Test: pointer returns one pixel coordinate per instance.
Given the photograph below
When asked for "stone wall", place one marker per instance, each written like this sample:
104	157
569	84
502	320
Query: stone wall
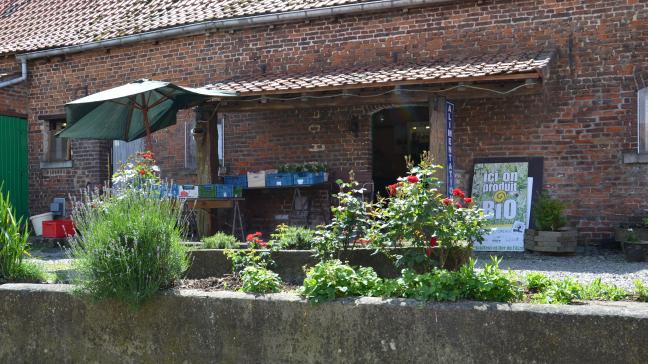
45	324
581	125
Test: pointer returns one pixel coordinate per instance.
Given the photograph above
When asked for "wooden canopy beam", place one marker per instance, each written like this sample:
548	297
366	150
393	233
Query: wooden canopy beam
377	96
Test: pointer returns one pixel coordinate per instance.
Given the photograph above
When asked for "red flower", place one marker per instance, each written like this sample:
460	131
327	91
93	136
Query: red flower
467	200
458	192
433	242
447	201
142	172
361	241
261	243
458	205
412	179
250	237
393	189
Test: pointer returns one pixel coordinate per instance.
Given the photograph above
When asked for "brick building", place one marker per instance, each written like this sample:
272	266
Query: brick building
565	79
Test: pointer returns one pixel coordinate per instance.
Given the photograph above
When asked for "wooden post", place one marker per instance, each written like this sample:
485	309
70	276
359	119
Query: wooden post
206	161
438	138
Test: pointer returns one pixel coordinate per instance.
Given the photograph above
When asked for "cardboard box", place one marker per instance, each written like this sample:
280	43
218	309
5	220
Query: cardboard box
256	179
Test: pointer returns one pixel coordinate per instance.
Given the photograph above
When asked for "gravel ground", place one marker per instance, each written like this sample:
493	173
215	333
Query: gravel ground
588	264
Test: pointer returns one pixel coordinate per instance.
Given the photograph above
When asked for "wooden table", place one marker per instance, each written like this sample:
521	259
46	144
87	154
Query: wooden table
221	203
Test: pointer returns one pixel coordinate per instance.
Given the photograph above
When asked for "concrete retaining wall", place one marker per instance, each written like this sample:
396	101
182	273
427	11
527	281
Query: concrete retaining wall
289	263
45	324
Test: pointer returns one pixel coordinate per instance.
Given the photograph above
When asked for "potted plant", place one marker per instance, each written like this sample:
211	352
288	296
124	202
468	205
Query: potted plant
551	233
634	249
638	232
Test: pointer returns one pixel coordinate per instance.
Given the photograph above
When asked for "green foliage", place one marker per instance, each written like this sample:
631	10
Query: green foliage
13	245
418	214
641	291
292	237
330	279
303	167
242	259
220	240
260	280
565	291
350	222
548	213
645	222
489	284
537	282
128	246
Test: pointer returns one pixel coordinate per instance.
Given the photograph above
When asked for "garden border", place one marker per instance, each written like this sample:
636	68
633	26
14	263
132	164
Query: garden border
45	323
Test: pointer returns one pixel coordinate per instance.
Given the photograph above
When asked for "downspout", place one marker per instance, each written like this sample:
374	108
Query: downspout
21	78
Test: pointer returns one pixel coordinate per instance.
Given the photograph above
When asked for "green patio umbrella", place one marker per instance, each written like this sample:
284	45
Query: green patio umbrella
131	111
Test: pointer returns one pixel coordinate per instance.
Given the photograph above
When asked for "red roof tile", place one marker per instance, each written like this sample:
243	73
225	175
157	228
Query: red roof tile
441	69
29	25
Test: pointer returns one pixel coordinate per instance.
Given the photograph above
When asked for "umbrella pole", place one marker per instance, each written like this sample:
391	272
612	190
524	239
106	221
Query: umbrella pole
145	110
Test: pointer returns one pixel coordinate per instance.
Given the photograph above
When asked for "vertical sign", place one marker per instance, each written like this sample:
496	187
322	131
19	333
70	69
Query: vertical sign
450	157
502	191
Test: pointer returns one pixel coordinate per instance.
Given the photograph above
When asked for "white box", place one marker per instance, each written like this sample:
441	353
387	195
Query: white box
188	191
256	179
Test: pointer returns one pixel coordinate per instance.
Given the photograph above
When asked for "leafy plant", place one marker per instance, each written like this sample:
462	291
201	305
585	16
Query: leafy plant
139	170
260	280
255	242
418	214
645	222
220	240
537	282
565	291
350	222
641	291
128	246
303	167
242	259
490	284
14	236
330	279
548	213
292	237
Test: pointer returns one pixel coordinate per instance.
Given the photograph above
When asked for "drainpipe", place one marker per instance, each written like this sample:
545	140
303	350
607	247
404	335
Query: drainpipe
21	78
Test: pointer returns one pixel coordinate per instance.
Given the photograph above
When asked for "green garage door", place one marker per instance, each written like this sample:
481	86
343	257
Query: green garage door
13	161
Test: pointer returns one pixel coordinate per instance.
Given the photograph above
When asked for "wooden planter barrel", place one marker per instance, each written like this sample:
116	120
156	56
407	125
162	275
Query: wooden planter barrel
562	241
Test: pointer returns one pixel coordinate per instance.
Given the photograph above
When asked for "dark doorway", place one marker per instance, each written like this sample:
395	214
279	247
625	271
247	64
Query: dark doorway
397	132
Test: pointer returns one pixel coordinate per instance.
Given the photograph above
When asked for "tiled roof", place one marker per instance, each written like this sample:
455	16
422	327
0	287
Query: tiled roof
439	70
29	25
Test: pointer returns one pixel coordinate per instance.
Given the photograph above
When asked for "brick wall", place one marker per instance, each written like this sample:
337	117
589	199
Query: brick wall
581	124
13	99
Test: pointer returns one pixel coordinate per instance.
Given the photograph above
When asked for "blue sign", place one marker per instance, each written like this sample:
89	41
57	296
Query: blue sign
450	182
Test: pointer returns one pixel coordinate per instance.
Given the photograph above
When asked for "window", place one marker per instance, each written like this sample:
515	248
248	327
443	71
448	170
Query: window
642	113
55	149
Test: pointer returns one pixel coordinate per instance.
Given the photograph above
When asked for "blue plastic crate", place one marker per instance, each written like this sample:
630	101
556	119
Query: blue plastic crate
279	179
305	178
207	191
237	181
224	191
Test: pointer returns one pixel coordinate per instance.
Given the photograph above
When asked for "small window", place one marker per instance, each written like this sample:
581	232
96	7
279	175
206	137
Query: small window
642	112
56	149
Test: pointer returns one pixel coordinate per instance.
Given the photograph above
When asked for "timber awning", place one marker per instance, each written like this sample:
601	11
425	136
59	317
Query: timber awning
483	75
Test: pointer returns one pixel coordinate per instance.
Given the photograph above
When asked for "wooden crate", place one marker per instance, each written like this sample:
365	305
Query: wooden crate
564	241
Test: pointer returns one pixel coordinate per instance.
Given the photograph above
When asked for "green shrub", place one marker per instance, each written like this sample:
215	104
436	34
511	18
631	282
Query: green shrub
292	237
537	282
330	279
220	240
548	213
490	284
567	290
128	246
14	236
260	280
641	291
242	259
597	290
